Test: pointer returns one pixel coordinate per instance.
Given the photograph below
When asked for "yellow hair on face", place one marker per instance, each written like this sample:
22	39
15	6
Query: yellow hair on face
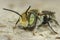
23	20
24	17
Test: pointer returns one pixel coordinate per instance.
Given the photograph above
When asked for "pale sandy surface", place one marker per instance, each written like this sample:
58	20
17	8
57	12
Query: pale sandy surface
8	19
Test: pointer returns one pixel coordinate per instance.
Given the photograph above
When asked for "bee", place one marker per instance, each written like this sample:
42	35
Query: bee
26	16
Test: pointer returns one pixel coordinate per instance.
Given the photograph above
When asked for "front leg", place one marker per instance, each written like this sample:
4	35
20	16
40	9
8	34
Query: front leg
16	23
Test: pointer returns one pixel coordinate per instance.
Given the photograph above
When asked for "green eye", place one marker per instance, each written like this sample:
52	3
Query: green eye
31	19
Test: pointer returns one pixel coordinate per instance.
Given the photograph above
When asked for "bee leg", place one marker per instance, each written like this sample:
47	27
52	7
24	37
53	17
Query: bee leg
33	32
16	23
56	22
51	28
39	26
